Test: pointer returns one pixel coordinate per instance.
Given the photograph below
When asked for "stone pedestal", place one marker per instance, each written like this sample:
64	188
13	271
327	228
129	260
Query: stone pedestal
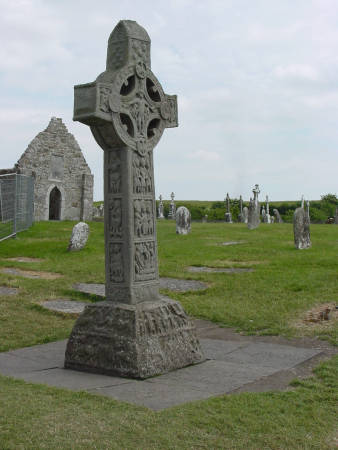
136	341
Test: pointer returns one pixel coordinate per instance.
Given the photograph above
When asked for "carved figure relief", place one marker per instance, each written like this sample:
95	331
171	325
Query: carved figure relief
104	99
116	263
114	175
143	218
145	261
115	218
142	174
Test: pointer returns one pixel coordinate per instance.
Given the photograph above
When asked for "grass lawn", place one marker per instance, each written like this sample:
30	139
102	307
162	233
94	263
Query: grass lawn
272	299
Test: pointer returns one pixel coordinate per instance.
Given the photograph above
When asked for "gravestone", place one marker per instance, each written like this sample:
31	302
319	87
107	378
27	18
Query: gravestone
205	219
79	237
240	215
228	216
336	217
254	210
301	227
172	207
263	214
278	218
267	215
183	220
245	215
160	209
135	332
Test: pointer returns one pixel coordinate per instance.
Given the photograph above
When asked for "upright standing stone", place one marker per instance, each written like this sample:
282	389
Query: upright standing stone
134	333
79	237
160	209
183	220
301	227
172	207
278	218
267	216
240	215
336	217
228	216
245	214
254	210
263	214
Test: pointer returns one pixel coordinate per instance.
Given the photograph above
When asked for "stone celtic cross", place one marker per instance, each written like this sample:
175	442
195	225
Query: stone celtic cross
135	332
127	112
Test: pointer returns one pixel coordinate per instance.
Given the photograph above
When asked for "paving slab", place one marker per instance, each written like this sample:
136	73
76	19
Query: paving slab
231	366
8	291
198	269
65	306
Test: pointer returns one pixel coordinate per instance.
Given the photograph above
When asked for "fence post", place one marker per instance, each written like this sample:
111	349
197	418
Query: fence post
15	204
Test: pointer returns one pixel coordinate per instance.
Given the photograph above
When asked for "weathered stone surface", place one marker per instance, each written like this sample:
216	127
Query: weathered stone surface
63	183
245	215
127	112
79	237
228	216
172	207
301	229
183	220
205	219
136	341
278	218
336	217
8	291
65	306
267	215
161	209
254	210
219	269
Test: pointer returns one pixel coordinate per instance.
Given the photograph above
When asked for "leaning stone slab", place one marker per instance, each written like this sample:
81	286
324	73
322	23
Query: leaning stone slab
301	229
79	236
136	341
183	220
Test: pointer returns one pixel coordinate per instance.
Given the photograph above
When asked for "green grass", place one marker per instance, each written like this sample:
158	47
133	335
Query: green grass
285	283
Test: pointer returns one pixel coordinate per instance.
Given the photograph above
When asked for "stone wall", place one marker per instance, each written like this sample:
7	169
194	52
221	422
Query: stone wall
55	160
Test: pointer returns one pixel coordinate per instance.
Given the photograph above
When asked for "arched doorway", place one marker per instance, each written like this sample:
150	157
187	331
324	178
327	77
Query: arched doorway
55	204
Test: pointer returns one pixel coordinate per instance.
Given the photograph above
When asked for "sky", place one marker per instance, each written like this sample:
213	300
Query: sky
256	80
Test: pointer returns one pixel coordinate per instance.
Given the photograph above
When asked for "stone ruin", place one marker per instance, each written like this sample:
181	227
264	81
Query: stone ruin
63	183
254	210
301	227
135	332
183	220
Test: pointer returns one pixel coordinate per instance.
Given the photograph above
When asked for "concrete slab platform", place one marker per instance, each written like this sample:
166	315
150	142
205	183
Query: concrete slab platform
231	366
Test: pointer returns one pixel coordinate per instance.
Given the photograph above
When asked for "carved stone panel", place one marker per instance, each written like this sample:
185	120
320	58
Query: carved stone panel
115	218
116	263
142	174
114	172
145	261
143	218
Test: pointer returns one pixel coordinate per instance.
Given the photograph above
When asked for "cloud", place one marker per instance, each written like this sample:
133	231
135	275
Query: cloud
301	72
204	156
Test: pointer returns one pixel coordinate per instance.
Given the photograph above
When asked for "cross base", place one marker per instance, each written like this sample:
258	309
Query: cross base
135	341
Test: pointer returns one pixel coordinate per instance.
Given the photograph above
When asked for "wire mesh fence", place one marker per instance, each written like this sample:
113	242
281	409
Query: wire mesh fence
16	204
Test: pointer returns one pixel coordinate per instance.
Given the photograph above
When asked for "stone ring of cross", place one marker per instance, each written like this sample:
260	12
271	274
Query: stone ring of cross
139	107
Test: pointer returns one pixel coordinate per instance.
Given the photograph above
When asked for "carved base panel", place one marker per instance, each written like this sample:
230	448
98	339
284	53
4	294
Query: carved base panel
136	293
136	341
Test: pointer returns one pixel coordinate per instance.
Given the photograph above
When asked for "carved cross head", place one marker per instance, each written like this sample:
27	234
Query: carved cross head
127	99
